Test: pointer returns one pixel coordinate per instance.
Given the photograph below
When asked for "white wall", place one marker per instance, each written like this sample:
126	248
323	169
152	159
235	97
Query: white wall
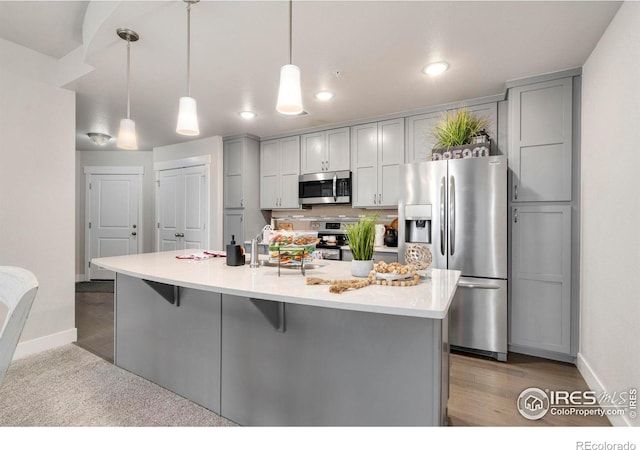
119	159
208	146
37	168
610	300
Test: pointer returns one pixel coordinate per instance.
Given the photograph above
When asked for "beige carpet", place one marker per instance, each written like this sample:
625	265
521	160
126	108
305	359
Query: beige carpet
69	386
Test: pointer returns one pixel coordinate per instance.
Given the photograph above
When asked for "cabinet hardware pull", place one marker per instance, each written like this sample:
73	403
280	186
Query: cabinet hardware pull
374	199
515	215
379	199
516	192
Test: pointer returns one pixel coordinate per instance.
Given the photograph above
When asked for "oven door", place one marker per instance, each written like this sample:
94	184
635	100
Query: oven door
325	187
333	254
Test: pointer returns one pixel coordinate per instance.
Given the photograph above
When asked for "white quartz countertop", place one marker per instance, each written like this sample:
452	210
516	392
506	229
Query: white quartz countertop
431	298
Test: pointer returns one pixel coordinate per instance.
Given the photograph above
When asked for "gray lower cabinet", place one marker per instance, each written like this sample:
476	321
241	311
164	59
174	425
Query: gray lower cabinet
377	256
540	309
330	367
176	347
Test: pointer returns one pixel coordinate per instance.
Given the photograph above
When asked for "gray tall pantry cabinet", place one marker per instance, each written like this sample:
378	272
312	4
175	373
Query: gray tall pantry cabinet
241	191
543	123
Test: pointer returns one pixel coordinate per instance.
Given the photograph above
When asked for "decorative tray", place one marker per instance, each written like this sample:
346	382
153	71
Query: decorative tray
394	276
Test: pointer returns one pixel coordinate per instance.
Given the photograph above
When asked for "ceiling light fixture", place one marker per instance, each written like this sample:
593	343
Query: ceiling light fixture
435	68
99	138
127	138
247	115
290	93
324	95
188	111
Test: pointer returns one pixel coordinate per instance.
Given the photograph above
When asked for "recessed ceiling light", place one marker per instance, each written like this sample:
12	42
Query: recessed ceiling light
247	115
435	68
99	138
324	95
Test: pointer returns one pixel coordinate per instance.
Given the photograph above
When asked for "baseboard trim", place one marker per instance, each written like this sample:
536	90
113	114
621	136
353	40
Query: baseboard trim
80	277
596	385
43	343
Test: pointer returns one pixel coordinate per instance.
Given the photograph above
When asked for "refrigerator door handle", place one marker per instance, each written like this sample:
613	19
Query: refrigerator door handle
467	284
452	215
442	233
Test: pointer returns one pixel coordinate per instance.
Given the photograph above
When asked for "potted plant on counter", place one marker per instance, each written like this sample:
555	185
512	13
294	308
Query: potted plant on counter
361	237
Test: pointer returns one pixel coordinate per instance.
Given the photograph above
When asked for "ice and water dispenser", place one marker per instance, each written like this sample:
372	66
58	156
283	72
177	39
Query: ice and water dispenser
417	223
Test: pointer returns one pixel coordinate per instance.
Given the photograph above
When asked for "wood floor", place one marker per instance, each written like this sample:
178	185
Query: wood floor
483	391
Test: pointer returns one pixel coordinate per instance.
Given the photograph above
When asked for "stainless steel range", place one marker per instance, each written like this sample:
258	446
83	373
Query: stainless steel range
332	237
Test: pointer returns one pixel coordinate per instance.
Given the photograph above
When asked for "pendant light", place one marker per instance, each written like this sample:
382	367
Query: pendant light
188	110
290	94
127	138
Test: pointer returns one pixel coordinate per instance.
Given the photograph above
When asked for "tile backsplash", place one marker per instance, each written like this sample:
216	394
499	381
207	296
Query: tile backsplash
300	218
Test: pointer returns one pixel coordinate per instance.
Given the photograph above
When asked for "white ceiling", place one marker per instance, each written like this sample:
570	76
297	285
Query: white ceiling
238	47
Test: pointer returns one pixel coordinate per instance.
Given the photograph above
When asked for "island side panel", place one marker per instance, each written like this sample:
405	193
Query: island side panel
177	347
330	367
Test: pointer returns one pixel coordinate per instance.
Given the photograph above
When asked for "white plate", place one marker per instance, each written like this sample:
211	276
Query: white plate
393	276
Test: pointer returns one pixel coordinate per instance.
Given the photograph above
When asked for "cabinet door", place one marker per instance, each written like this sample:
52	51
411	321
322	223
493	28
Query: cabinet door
540	141
269	174
233	168
364	165
420	139
194	208
541	278
338	153
234	226
289	172
175	347
390	158
312	152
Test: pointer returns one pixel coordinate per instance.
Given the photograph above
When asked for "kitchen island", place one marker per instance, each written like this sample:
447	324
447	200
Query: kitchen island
263	349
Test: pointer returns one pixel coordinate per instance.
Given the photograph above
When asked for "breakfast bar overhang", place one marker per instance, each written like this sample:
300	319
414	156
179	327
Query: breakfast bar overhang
263	349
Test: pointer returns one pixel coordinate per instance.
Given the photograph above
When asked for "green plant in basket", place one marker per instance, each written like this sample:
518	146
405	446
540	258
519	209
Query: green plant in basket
361	236
457	128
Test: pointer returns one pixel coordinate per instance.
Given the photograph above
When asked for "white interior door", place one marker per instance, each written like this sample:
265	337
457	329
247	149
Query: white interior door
182	208
195	208
113	210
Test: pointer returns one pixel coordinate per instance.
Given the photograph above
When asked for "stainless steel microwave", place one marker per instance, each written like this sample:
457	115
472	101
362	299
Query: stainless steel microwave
325	188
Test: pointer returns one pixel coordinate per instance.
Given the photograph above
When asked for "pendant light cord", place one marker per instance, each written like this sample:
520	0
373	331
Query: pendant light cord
290	32
188	49
128	77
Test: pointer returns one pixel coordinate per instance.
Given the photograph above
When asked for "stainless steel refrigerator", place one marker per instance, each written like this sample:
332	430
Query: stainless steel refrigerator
458	209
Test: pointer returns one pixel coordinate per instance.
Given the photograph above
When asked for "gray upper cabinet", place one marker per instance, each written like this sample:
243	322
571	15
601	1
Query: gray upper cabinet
233	163
541	278
279	172
325	151
377	152
420	138
540	141
242	214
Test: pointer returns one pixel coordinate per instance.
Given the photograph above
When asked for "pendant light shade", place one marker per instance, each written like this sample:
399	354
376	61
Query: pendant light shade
127	138
188	117
188	110
290	93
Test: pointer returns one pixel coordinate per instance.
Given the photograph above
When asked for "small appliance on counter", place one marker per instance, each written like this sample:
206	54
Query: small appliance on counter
235	253
391	237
